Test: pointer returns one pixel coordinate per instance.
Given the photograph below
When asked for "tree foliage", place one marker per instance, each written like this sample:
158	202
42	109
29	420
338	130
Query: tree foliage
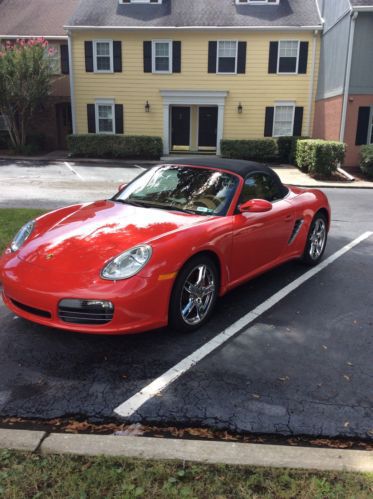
25	83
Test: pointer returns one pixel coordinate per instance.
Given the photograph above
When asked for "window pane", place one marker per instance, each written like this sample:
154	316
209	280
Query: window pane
288	49
227	49
105	125
288	65
162	64
283	123
103	63
161	49
103	48
227	65
3	124
105	112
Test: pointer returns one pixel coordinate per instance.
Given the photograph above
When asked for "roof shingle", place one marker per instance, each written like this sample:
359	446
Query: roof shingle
197	13
35	17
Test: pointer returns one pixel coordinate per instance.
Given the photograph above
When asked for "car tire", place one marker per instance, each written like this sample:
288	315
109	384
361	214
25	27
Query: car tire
316	240
194	294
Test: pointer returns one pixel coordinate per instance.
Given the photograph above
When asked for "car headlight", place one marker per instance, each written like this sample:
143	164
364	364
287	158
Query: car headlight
22	236
127	264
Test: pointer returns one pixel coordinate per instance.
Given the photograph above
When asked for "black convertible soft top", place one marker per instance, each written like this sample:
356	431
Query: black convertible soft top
238	166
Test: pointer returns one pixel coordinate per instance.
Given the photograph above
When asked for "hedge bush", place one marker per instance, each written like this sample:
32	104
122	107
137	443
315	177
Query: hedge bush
287	149
366	163
319	157
115	146
254	150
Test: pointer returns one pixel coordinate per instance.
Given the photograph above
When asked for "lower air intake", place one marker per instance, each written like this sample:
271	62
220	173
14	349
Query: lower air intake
89	312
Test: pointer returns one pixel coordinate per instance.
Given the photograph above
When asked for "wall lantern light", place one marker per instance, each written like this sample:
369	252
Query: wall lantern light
239	108
147	107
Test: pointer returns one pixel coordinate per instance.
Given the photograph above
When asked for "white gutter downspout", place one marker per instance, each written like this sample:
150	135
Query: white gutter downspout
347	76
312	84
72	88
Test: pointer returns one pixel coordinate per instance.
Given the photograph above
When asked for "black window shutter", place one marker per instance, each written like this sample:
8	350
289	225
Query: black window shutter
176	57
241	62
362	126
147	57
273	54
64	52
212	57
303	58
298	121
268	125
91	118
118	118
117	53
88	49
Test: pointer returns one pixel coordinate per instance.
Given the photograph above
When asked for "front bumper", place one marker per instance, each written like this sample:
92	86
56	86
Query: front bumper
140	303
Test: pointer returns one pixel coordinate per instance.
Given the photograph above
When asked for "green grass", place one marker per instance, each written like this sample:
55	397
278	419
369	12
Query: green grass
11	220
24	475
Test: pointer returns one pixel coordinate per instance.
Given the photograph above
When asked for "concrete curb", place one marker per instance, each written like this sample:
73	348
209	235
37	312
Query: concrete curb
23	440
276	456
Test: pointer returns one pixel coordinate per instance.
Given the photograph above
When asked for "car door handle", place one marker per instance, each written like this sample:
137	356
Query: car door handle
288	218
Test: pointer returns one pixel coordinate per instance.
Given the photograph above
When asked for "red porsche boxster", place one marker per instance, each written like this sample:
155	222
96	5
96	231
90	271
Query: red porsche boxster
162	249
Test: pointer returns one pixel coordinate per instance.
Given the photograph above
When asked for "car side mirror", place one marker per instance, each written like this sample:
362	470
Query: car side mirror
255	206
121	186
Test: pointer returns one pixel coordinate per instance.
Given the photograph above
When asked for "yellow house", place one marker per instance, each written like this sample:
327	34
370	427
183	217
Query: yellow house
194	72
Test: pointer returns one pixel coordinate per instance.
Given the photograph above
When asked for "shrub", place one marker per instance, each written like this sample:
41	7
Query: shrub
366	163
4	140
287	149
319	157
115	146
254	150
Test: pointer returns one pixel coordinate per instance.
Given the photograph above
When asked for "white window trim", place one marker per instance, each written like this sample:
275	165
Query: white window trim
105	102
111	70
370	127
217	58
278	58
170	57
281	104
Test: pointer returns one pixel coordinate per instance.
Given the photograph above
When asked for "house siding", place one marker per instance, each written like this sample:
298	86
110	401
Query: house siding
255	90
362	56
333	59
328	116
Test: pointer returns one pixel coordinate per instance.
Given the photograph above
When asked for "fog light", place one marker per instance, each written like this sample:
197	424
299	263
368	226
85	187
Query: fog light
98	303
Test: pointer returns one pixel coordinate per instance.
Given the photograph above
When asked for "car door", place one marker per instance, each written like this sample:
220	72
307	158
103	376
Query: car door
260	238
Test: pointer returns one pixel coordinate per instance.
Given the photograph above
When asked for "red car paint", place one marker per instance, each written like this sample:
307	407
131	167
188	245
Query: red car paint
68	248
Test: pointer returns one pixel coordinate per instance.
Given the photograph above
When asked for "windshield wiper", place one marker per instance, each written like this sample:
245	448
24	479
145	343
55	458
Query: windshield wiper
132	203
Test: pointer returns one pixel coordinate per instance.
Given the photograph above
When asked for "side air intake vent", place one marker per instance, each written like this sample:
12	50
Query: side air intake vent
297	226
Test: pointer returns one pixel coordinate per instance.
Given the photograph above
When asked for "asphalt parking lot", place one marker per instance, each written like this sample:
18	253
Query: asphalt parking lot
303	367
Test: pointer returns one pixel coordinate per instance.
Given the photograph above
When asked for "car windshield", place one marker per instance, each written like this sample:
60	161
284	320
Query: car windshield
191	190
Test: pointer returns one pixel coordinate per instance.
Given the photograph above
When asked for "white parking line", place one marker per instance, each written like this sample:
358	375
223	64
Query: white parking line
73	170
139	167
131	405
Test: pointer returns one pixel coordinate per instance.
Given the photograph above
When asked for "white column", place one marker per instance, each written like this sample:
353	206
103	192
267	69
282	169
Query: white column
166	129
220	126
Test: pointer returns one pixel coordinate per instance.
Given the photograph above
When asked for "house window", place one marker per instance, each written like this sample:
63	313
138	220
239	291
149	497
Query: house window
105	117
53	54
162	56
3	123
103	56
288	57
227	57
283	123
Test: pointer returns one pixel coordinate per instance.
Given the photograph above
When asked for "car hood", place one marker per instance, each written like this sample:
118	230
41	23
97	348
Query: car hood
92	234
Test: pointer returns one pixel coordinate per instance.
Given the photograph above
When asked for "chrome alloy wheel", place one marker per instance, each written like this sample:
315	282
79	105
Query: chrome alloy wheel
197	294
317	239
